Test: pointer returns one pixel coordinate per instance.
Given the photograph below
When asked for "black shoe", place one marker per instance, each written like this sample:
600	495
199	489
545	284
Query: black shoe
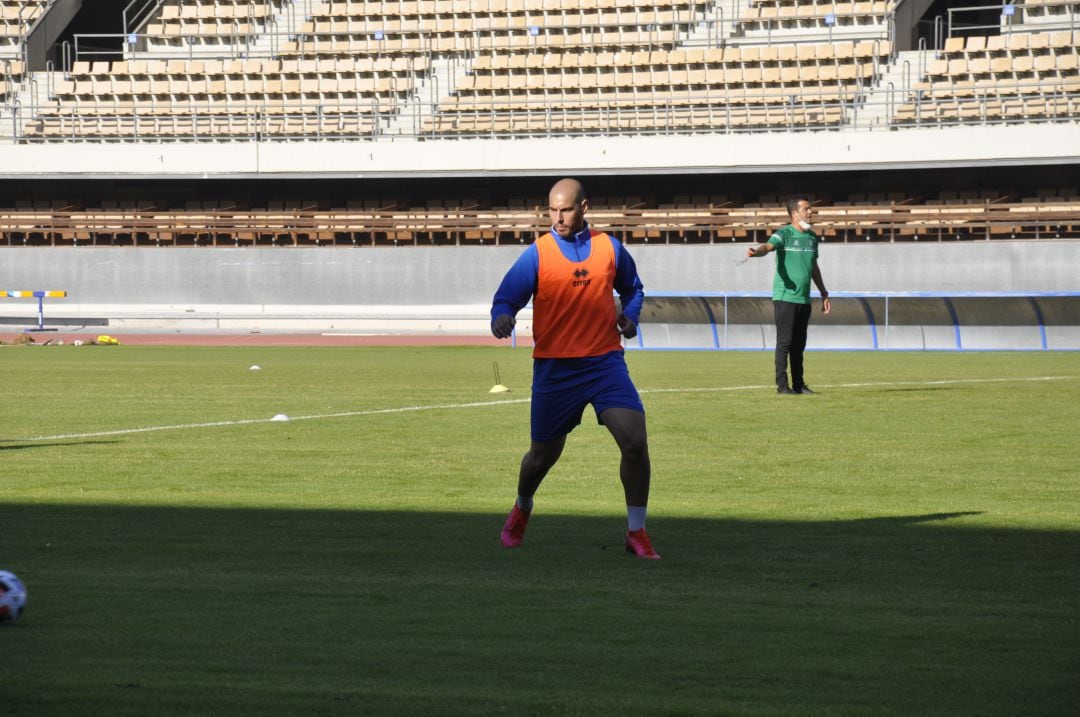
784	390
806	390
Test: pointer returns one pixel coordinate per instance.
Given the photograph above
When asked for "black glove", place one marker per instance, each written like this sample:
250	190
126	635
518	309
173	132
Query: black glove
503	326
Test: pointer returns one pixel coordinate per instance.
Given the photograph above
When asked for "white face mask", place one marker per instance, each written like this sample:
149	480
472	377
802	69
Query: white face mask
804	225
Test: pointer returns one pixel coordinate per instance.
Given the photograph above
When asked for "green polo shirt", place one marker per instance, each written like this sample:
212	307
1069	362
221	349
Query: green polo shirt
796	252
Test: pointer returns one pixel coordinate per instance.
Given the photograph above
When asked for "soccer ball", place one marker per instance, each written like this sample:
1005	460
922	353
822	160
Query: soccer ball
12	597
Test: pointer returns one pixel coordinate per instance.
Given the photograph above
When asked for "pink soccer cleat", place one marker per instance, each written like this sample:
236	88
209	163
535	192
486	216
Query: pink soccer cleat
513	531
638	543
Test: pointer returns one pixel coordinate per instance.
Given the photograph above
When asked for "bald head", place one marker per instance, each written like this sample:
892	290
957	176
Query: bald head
571	189
567	205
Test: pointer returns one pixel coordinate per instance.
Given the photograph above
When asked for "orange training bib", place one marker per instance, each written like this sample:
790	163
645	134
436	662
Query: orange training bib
574	311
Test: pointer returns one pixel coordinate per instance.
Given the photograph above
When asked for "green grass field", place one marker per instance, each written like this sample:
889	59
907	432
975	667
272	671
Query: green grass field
905	543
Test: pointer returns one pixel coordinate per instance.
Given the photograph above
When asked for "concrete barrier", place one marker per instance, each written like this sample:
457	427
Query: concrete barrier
869	321
933	296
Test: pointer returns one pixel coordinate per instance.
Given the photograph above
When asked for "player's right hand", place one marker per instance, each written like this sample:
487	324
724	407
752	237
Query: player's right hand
503	326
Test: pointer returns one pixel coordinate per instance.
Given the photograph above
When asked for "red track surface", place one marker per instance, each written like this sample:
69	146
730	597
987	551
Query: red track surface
268	339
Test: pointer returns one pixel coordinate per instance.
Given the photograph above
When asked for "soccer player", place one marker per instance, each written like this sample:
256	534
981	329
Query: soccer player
570	273
796	248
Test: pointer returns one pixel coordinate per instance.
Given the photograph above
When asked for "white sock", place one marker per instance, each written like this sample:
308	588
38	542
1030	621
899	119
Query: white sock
635	517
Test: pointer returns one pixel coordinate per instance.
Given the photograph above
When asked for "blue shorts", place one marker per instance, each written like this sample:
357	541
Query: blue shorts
563	387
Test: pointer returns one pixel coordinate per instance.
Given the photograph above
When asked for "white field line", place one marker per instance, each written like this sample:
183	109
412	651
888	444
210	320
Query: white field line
249	421
482	404
872	384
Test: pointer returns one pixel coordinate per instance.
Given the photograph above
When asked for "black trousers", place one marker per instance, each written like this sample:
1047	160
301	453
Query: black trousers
792	321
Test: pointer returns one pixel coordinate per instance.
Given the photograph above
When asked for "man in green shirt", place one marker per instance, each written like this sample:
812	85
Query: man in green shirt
796	248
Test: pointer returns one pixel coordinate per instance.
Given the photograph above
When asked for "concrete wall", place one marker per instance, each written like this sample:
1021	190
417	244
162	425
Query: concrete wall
448	290
790	152
469	275
995	266
309	276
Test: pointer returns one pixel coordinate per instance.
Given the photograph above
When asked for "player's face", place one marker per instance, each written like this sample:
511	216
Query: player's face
804	212
567	213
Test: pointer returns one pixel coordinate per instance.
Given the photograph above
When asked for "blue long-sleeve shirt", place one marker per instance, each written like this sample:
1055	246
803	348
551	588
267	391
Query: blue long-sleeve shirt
519	284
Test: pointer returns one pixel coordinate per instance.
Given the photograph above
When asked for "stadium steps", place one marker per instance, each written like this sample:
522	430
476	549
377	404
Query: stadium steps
877	105
28	97
285	23
717	24
420	107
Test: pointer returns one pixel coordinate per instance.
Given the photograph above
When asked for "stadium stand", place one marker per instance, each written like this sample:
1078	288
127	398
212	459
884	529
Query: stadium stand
225	98
1016	77
16	17
259	70
688	220
683	89
243	71
210	24
1050	14
784	19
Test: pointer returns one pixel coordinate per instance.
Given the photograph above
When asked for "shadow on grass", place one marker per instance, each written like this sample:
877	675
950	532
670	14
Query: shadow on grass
193	611
24	445
915	519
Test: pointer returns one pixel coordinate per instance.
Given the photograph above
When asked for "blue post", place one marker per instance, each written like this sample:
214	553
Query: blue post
40	296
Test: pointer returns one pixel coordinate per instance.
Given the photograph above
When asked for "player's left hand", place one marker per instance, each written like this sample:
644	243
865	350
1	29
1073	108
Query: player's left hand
826	305
502	326
625	326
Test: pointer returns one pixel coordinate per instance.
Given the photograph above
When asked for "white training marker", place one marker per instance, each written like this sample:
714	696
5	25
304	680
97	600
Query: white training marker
256	367
280	417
